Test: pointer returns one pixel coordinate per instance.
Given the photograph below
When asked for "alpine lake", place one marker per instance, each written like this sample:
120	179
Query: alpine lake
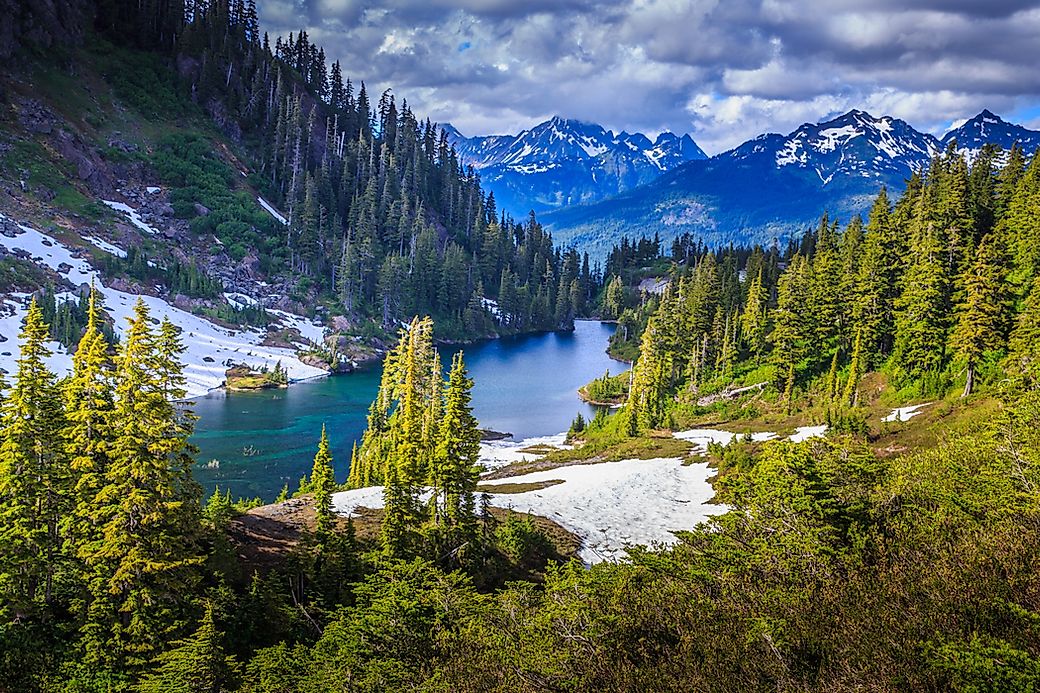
253	443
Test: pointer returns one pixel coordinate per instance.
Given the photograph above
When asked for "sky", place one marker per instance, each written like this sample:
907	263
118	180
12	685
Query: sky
722	70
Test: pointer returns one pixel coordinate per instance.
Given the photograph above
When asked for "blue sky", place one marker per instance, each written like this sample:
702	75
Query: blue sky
722	70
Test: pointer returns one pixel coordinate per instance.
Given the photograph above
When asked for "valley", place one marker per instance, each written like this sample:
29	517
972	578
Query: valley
303	389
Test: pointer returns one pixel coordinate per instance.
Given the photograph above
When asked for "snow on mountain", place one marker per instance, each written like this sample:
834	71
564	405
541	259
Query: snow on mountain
989	128
562	162
854	144
210	348
774	186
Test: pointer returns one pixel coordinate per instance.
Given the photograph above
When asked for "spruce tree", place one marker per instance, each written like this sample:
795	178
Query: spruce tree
982	317
323	483
454	475
35	484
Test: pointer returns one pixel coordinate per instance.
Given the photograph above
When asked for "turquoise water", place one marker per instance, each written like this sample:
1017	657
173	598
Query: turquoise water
526	386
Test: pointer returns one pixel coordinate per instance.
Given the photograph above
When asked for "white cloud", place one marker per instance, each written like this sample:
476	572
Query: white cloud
724	70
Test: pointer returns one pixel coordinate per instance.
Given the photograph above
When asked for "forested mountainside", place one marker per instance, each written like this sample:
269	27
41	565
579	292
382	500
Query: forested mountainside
564	162
889	554
250	182
934	290
772	188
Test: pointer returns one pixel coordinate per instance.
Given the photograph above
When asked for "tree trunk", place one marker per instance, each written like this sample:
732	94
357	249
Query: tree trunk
969	383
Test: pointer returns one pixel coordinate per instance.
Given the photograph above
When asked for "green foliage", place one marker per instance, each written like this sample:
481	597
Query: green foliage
519	539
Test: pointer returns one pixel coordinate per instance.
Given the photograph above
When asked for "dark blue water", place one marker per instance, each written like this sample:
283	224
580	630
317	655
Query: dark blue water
526	386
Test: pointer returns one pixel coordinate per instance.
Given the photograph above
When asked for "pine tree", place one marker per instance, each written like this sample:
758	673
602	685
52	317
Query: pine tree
982	317
322	485
455	473
34	482
144	569
196	664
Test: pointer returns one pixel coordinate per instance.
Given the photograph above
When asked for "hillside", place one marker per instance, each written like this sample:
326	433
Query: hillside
262	204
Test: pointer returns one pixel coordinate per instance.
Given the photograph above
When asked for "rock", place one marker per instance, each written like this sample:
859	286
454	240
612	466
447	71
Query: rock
9	228
340	323
201	209
249	267
315	361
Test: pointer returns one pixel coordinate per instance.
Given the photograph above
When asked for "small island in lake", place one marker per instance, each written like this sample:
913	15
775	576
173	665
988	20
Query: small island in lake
241	377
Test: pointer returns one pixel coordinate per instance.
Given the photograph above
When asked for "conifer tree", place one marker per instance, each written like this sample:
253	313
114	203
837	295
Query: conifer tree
982	317
34	481
922	320
144	570
197	664
323	483
648	394
753	321
89	432
1024	344
454	474
851	396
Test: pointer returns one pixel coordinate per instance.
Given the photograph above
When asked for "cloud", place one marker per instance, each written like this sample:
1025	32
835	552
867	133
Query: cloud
723	70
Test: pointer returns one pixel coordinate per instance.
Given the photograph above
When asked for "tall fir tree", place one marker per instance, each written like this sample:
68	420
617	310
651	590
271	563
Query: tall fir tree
982	318
35	484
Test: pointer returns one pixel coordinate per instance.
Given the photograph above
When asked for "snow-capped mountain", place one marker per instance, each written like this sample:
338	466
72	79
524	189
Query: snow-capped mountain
774	186
564	162
988	128
854	144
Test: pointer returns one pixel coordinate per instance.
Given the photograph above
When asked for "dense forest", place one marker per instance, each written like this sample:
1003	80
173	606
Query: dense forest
939	288
840	565
379	212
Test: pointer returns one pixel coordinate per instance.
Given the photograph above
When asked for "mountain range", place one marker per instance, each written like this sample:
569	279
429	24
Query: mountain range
774	186
564	162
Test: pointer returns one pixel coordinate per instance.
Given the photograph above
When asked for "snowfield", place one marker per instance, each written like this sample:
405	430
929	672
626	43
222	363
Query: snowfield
209	347
609	506
502	453
131	214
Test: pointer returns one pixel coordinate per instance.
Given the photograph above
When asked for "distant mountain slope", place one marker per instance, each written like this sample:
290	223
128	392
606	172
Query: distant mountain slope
564	162
774	185
987	127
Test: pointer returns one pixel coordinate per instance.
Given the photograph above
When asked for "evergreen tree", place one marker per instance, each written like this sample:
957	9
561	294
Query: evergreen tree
197	664
34	480
144	569
982	317
922	319
322	485
455	473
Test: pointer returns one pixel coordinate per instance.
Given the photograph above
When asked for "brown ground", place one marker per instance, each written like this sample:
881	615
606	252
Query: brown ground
265	536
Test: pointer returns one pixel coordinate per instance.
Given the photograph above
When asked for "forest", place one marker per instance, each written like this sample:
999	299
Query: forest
842	562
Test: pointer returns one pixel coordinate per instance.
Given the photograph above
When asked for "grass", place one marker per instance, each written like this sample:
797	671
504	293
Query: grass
517	488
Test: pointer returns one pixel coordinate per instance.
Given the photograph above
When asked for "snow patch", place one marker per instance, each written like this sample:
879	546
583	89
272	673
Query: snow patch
209	347
702	437
609	506
272	211
905	413
106	246
803	433
496	454
131	214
